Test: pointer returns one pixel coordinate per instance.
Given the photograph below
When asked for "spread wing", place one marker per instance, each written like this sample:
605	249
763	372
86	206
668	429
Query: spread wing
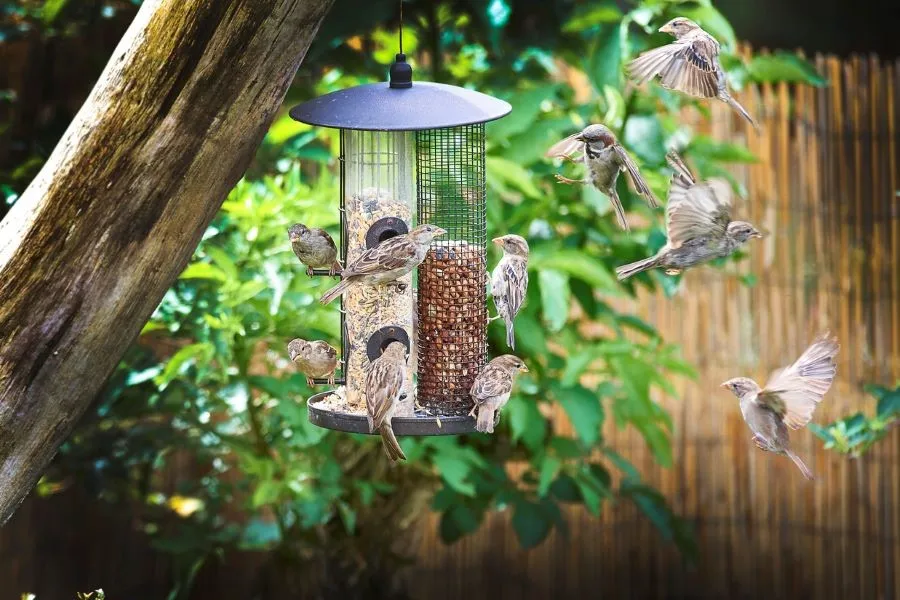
689	65
566	148
793	393
639	184
394	253
694	209
383	383
491	383
508	286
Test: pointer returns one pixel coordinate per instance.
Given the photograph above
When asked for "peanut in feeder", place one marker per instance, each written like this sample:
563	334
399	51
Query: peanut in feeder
410	154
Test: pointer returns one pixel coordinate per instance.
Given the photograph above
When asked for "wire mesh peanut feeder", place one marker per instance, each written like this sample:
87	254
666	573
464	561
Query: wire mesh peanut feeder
411	153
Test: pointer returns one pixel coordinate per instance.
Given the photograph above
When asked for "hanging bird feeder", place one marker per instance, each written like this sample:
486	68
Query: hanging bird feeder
410	154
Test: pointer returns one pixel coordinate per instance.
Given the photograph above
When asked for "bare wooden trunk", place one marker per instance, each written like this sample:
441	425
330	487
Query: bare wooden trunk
91	247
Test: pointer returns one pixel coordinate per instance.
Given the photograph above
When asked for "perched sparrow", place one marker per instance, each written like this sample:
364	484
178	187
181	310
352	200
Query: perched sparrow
690	65
509	281
698	225
789	398
604	158
492	388
384	382
389	260
314	359
314	248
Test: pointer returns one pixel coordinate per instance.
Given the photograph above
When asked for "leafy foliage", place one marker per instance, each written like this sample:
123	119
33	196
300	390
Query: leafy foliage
207	393
856	434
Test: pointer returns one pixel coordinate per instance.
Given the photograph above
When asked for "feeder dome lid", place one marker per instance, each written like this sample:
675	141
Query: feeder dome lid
400	105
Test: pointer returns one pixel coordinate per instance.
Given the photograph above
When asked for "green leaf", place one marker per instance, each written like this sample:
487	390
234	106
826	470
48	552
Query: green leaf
576	365
455	471
889	404
784	66
580	266
223	261
565	489
181	360
528	108
259	534
657	439
596	13
456	522
266	492
584	410
511	174
644	137
530	523
526	421
199	270
549	468
51	10
348	516
710	149
244	293
605	62
555	298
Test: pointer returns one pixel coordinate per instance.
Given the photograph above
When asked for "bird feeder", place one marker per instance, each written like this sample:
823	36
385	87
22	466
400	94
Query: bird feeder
410	154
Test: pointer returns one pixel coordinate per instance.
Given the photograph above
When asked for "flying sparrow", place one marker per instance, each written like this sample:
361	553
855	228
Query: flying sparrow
388	261
698	225
314	248
384	382
789	398
313	359
690	65
604	158
492	387
509	281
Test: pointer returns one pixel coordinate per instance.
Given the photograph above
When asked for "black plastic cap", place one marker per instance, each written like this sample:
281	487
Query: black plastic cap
401	73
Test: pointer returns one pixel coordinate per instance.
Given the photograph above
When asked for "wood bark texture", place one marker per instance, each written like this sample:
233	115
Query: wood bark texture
90	248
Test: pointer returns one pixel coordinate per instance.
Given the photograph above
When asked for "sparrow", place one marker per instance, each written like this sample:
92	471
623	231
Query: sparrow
388	261
698	225
314	248
789	398
313	359
604	158
509	281
492	387
384	382
690	65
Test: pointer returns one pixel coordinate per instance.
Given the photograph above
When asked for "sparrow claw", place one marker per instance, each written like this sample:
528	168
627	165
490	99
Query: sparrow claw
761	443
567	180
472	412
309	271
494	318
673	271
331	379
310	382
335	269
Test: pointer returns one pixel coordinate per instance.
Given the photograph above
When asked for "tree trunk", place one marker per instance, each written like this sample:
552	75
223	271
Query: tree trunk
90	248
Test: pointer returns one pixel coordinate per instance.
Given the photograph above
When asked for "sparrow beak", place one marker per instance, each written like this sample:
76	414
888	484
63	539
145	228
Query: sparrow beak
580	137
439	231
724	385
524	369
758	234
665	28
498	241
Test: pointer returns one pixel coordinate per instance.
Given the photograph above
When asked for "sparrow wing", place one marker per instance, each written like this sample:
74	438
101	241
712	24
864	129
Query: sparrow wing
327	238
639	184
323	348
793	393
490	383
566	147
689	65
694	209
508	286
383	383
393	253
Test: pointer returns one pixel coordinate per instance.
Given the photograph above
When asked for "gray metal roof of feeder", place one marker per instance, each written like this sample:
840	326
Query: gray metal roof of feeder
400	105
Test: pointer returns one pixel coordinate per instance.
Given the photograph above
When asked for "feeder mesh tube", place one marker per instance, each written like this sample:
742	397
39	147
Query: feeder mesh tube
451	306
378	183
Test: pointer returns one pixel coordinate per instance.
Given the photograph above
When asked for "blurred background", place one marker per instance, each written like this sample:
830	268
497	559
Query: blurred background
620	468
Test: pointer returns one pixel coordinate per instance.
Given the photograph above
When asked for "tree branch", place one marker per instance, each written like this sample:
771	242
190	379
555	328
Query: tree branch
111	220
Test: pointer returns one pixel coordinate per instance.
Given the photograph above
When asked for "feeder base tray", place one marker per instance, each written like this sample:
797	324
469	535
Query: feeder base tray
416	426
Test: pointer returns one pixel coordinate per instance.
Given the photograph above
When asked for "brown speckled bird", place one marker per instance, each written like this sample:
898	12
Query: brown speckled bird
313	359
384	383
509	281
698	225
689	65
604	157
492	388
789	398
386	262
314	248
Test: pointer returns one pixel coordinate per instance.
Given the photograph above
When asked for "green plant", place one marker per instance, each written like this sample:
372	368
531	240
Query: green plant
854	435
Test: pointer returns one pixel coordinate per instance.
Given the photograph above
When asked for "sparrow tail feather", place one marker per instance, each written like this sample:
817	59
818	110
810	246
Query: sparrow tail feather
336	291
510	334
800	465
391	446
620	211
626	271
741	110
485	421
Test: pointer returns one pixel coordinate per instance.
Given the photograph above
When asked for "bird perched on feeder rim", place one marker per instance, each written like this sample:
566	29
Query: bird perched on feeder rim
689	65
698	225
388	261
314	248
384	383
789	398
509	281
604	157
313	359
492	388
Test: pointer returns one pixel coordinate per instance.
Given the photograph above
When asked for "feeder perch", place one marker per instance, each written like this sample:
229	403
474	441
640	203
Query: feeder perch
410	154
